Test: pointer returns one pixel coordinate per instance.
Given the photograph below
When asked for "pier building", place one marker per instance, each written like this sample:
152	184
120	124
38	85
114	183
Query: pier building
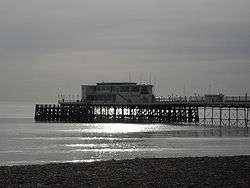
118	92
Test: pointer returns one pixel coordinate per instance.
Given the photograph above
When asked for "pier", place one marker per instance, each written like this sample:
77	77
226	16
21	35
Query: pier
132	102
226	113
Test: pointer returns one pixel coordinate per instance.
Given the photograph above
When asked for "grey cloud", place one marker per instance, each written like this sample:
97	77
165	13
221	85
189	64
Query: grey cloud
49	44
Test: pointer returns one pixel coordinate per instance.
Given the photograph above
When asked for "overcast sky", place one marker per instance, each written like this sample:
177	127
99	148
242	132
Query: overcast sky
51	44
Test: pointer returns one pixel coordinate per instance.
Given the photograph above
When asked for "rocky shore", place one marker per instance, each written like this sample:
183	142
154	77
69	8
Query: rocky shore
169	172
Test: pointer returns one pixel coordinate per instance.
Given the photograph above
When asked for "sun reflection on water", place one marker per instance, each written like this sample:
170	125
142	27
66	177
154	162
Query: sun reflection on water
116	128
121	128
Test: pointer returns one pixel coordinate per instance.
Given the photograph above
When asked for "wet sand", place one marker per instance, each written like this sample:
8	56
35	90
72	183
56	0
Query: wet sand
167	172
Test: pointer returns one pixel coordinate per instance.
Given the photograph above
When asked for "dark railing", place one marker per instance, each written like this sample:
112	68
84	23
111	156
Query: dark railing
179	99
203	99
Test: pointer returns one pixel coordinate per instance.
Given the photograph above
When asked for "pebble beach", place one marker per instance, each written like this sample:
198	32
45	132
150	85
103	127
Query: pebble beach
151	172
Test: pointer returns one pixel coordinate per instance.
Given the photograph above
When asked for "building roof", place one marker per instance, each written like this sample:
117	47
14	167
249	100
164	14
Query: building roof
116	83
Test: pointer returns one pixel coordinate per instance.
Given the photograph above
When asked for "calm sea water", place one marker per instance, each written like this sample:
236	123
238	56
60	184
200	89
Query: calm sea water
22	141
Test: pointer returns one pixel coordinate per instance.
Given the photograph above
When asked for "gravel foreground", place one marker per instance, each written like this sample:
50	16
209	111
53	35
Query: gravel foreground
169	172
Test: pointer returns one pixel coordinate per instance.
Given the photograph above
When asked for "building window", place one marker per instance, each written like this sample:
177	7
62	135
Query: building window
135	89
124	89
115	89
144	90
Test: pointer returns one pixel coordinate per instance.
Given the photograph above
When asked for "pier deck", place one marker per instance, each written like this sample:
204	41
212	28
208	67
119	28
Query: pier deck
232	113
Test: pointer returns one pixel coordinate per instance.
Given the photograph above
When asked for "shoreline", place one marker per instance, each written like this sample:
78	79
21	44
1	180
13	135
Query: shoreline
228	171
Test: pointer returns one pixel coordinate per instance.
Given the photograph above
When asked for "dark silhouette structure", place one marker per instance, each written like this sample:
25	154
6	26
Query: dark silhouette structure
224	113
132	102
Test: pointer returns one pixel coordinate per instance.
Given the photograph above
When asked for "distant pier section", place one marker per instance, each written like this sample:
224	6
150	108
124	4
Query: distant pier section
132	102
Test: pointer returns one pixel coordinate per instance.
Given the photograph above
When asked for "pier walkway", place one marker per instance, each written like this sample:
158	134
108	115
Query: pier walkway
234	112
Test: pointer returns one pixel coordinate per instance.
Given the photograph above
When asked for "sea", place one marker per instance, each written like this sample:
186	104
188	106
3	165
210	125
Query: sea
25	142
